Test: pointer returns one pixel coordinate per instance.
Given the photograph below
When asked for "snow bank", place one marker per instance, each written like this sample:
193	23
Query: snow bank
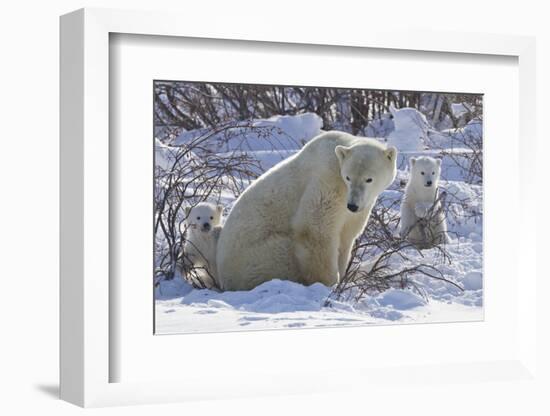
459	109
381	127
162	155
267	140
456	138
275	296
411	130
464	209
400	299
165	156
273	134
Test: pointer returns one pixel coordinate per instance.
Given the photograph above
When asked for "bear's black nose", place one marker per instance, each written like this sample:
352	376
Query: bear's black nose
353	207
429	183
206	226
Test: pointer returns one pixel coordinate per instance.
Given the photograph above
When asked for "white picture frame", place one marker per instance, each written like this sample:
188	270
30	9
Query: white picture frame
86	356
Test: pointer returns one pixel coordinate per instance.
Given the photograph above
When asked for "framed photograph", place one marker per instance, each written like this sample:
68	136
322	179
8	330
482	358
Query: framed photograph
390	239
278	208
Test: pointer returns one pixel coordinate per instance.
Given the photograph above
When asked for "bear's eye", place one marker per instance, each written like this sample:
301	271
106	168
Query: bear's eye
211	218
422	173
198	218
369	180
433	173
347	178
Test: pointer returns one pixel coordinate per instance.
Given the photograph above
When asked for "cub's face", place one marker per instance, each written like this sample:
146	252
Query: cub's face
366	170
425	171
203	216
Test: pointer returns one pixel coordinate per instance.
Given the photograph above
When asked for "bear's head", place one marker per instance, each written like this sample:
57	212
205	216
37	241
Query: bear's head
425	172
367	168
203	216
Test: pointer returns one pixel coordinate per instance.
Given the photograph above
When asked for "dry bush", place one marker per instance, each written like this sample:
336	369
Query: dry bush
193	105
470	160
372	268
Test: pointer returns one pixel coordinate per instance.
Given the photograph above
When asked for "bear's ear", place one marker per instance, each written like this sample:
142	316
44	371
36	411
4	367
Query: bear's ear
219	209
341	152
391	153
438	161
413	161
187	211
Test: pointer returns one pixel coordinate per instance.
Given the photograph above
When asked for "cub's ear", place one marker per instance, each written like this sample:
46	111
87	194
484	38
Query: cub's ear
438	161
341	152
219	209
187	211
412	161
391	153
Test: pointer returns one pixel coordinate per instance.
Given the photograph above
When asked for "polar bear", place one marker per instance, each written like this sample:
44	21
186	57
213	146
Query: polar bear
203	224
298	221
422	216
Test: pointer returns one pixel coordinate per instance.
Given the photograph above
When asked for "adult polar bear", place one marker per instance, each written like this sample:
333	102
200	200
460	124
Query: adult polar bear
299	220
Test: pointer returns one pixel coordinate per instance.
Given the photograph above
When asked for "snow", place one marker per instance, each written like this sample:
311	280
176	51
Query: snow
400	299
474	128
473	281
285	132
459	109
278	304
267	140
413	136
380	127
411	130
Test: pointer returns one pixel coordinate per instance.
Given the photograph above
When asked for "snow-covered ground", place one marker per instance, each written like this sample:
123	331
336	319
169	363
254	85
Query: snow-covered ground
276	304
283	304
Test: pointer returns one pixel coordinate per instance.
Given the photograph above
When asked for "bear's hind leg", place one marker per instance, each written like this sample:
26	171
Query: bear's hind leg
254	264
316	235
317	261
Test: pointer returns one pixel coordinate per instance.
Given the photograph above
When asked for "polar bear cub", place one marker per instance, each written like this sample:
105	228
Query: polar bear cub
422	216
203	224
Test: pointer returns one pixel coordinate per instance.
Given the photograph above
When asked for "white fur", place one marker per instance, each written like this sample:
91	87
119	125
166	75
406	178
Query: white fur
293	222
422	216
203	223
